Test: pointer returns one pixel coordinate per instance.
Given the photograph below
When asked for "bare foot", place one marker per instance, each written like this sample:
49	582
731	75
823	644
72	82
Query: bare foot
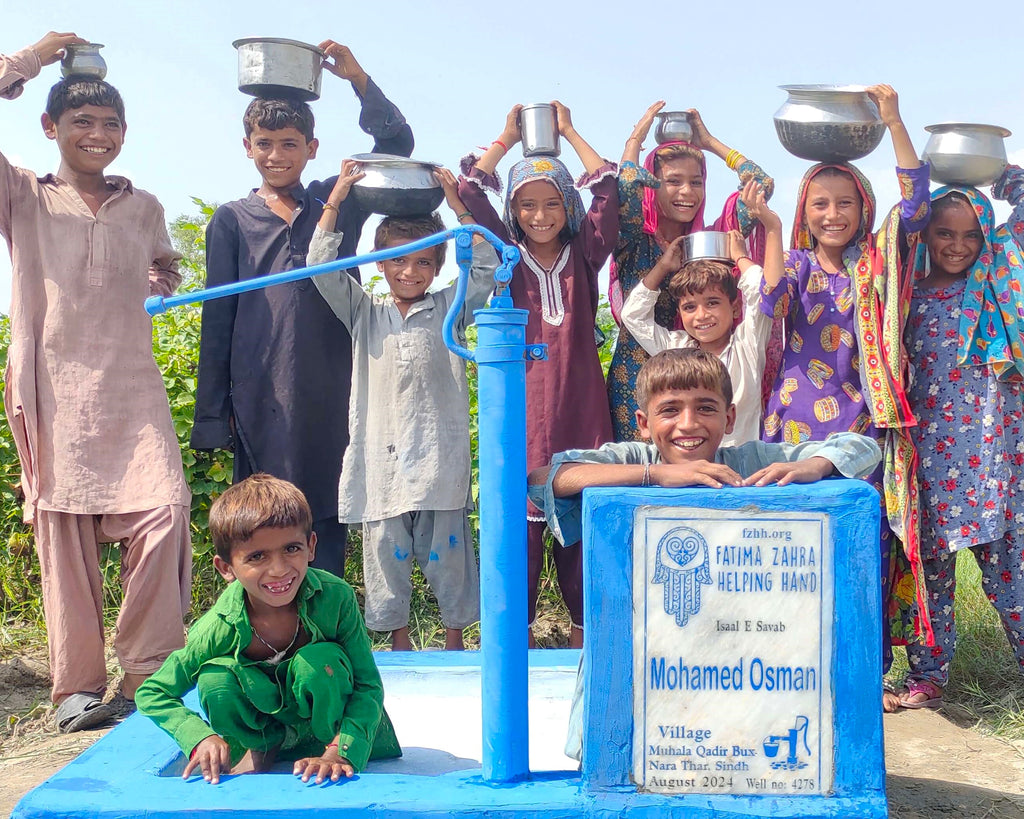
453	640
575	637
400	640
255	762
130	684
890	701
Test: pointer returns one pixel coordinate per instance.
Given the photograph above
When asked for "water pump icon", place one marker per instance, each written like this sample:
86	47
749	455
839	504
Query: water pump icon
772	743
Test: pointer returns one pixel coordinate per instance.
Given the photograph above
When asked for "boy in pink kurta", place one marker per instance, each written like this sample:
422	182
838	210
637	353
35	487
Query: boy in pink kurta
86	403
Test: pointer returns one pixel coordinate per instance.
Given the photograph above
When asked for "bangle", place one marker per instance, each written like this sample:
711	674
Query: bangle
732	161
329	206
646	480
741	258
502	144
332	745
458	216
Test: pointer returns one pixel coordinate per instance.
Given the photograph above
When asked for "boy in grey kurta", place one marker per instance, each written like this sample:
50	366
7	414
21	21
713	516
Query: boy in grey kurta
406	472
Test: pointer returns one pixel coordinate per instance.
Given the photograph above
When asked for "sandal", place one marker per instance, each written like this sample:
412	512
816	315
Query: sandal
931	692
81	711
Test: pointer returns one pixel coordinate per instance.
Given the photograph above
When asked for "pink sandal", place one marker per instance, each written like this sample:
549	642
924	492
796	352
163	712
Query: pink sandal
932	693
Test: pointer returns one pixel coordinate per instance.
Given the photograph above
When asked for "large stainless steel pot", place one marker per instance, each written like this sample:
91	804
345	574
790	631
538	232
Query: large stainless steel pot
966	153
274	67
673	126
828	123
538	124
396	185
707	244
83	60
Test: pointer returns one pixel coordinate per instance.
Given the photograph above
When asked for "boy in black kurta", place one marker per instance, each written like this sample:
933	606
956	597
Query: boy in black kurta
275	364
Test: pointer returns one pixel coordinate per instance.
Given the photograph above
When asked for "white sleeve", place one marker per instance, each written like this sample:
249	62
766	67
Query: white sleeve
638	316
750	338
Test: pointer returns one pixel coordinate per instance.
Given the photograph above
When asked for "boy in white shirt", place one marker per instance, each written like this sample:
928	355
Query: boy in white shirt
709	303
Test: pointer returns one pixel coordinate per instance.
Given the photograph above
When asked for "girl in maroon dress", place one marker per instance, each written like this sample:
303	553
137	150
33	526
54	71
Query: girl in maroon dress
563	248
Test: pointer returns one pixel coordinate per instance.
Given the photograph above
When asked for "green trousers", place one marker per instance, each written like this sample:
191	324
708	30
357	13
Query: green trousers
293	707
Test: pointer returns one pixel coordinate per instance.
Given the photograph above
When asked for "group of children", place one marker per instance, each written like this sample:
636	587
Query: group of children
893	356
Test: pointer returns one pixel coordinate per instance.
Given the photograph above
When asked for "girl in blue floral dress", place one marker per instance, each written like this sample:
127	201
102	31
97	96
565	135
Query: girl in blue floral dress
964	339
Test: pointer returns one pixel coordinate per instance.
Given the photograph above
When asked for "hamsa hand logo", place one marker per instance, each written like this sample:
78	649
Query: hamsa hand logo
681	565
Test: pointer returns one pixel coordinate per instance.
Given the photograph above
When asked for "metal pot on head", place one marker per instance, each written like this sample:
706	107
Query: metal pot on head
828	123
396	185
966	153
275	67
538	124
707	244
83	60
673	126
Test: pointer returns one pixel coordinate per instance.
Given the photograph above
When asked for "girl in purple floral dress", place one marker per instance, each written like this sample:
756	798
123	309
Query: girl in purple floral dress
844	302
964	339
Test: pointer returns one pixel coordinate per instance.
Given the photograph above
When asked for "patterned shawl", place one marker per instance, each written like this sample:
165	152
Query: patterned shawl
551	170
992	315
882	290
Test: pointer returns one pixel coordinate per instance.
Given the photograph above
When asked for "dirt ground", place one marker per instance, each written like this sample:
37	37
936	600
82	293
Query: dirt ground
937	766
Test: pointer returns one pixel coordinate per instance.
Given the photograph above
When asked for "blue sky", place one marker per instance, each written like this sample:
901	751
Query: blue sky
455	68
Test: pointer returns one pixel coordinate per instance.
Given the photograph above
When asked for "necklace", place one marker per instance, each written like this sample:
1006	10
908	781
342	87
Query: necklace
277	655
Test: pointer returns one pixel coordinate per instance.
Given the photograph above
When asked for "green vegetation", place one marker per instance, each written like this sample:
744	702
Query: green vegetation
985	682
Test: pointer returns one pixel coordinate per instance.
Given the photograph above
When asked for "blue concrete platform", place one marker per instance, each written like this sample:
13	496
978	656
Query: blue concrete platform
135	769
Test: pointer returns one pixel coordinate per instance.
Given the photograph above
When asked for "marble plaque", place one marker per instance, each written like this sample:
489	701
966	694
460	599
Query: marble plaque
732	652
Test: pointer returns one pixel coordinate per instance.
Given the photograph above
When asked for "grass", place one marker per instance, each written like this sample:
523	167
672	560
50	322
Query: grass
985	682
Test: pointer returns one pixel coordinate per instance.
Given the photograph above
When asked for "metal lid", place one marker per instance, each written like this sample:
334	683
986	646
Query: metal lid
393	161
943	127
278	41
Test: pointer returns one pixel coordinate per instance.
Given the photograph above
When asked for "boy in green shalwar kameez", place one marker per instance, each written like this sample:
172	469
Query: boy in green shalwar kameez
282	660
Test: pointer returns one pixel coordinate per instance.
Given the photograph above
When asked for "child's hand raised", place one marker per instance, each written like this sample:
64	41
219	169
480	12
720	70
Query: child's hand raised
888	102
564	118
512	133
737	246
211	756
450	186
643	125
701	135
51	47
329	765
349	175
340	62
808	470
756	200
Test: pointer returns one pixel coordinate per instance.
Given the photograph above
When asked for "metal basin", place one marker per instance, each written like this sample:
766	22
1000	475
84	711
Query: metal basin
396	185
828	123
673	126
966	153
274	67
707	244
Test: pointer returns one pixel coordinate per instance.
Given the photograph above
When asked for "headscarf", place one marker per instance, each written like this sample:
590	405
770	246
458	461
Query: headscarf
550	170
881	286
992	314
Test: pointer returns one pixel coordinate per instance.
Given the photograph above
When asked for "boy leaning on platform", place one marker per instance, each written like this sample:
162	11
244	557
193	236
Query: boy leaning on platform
282	661
686	402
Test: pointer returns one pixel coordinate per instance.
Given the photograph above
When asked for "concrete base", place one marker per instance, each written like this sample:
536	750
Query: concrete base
433	699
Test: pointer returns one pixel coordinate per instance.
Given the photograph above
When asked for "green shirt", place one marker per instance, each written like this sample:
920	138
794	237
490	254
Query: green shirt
329	613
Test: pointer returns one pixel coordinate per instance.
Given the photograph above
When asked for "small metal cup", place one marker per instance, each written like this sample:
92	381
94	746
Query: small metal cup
538	124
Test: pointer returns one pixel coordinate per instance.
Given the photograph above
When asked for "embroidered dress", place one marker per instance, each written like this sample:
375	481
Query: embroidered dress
566	403
636	253
842	369
966	393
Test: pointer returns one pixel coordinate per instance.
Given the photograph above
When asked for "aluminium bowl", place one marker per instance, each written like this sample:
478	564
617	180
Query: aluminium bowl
276	67
707	244
966	153
673	126
396	185
828	123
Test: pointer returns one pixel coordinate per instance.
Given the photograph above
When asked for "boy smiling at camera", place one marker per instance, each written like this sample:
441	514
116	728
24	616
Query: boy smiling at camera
686	408
274	365
282	660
